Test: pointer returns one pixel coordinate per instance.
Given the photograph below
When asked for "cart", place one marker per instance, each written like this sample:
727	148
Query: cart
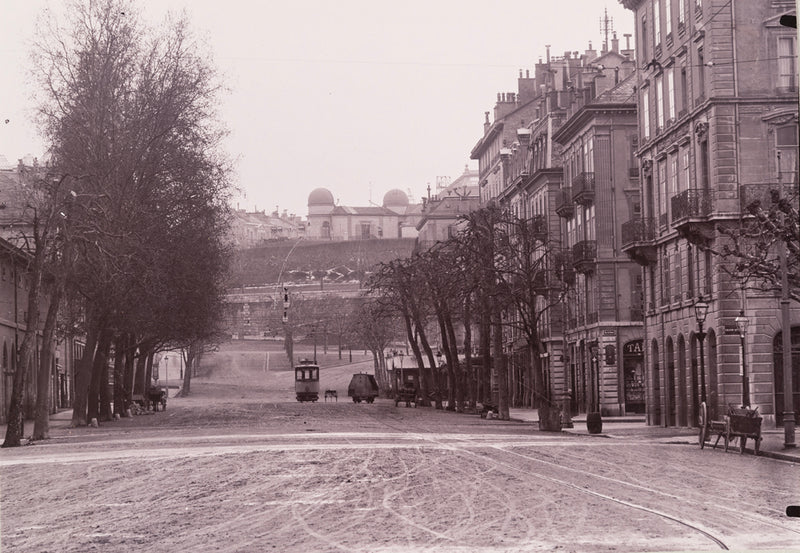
740	422
407	393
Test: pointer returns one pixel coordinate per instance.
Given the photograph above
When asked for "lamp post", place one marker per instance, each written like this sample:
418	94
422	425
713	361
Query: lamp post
593	349
166	375
742	322
700	313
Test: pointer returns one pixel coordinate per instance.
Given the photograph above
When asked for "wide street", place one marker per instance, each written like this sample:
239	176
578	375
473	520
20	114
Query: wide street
241	466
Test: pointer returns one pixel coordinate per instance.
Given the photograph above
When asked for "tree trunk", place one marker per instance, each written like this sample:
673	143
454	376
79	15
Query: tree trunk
500	367
469	373
140	375
41	425
99	372
120	393
83	377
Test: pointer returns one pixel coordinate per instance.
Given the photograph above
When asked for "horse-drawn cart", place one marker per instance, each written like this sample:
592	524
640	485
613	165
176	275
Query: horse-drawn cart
740	423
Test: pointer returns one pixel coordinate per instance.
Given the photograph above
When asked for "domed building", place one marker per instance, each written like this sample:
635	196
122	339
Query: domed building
395	218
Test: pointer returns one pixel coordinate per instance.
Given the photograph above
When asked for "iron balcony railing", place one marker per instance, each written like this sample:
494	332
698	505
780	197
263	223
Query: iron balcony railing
565	206
584	255
583	188
691	204
637	230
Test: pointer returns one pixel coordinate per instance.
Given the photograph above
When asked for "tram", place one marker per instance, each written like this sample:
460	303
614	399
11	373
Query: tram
306	381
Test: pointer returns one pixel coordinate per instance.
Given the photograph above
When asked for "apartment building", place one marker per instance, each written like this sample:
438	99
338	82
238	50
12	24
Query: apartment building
571	170
717	94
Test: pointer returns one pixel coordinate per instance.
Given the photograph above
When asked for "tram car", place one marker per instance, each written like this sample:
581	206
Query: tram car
306	381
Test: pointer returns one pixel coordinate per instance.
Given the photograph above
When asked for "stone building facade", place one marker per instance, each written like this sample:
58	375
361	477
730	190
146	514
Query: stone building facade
718	103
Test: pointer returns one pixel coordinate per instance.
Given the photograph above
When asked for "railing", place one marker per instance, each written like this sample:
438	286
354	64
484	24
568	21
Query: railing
565	206
538	227
640	229
691	204
583	188
584	254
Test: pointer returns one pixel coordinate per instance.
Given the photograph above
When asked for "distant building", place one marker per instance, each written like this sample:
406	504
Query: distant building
442	212
251	229
396	218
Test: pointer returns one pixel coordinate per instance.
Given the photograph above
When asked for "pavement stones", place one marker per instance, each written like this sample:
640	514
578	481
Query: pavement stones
627	426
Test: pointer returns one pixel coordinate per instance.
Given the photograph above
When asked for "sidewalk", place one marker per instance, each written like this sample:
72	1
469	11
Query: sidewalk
772	439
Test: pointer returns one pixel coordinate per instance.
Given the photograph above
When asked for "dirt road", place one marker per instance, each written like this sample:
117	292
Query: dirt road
240	466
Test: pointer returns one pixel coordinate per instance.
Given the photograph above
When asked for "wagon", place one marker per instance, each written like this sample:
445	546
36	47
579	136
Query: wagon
740	422
407	393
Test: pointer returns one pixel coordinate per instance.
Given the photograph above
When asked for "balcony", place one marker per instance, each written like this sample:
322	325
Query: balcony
690	211
565	207
543	281
584	256
583	188
637	240
538	227
563	269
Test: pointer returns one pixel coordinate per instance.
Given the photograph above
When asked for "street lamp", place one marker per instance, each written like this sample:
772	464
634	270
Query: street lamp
742	322
700	313
593	350
166	375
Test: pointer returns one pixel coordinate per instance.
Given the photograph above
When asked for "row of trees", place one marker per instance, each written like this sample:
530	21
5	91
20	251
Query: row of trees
501	275
125	222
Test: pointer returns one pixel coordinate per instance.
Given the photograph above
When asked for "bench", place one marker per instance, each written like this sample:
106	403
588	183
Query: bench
331	394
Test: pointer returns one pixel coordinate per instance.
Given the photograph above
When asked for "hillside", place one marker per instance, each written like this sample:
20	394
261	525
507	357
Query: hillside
305	260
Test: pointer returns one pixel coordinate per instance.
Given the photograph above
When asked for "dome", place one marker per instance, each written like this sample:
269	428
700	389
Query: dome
395	197
320	196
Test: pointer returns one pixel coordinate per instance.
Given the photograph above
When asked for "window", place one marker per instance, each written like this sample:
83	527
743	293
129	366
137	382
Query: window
684	103
787	68
681	13
666	289
646	113
668	17
678	277
590	222
589	154
657	21
670	93
709	274
683	182
690	276
644	37
673	176
659	102
662	192
701	74
786	143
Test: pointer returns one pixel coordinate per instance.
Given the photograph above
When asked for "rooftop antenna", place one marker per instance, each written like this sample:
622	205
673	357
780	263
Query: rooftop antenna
606	28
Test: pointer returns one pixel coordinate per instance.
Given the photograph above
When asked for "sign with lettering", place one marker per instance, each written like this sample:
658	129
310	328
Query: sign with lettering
634	348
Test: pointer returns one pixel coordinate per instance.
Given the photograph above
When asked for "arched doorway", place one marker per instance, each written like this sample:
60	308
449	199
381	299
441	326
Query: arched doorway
326	230
694	377
712	396
669	383
655	378
777	364
683	408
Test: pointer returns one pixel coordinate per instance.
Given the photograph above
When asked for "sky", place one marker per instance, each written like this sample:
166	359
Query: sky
359	97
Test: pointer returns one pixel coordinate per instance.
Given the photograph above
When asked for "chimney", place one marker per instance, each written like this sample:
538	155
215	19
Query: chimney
591	53
627	52
486	123
547	47
615	43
